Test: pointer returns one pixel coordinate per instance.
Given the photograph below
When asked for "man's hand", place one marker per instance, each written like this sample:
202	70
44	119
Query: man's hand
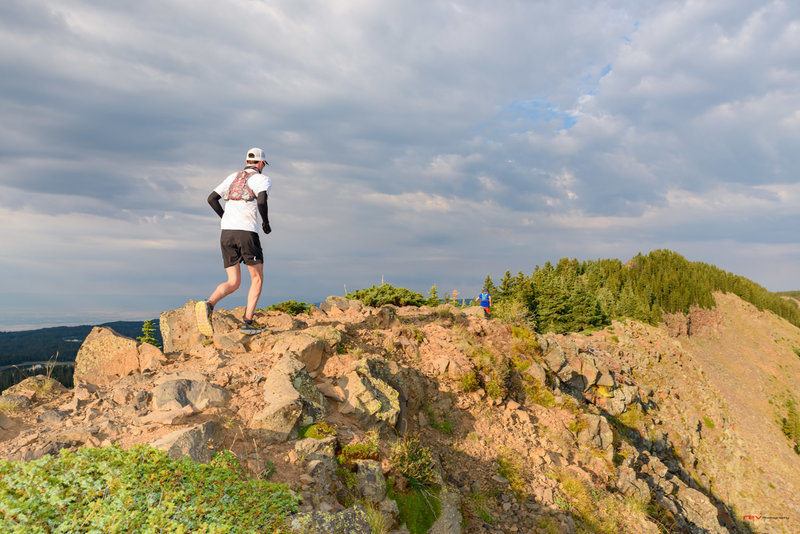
265	227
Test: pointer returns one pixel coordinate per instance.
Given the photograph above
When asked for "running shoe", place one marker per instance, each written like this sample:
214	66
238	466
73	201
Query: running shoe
202	312
251	327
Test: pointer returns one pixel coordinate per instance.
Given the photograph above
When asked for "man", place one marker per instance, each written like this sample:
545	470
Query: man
245	194
485	299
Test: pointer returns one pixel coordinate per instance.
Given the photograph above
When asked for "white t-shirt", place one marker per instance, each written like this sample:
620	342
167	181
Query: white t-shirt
242	214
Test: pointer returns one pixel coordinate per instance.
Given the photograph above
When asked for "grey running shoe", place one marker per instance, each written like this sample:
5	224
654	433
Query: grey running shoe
202	312
251	327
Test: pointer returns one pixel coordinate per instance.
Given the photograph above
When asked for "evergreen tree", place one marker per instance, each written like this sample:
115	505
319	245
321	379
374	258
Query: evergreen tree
506	286
148	329
433	297
488	286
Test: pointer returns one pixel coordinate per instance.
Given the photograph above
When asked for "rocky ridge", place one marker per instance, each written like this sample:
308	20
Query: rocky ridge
549	433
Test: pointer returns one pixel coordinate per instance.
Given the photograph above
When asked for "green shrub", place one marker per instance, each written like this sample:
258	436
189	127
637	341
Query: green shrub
414	461
377	296
512	311
358	451
469	382
291	307
137	490
537	392
496	370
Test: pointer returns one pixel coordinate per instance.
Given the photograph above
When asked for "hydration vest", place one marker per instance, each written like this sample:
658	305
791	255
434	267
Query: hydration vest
239	189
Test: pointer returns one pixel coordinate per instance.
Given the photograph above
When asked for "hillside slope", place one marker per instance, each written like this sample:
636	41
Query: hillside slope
629	429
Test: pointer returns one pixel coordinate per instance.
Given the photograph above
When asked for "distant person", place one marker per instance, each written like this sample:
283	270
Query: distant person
245	194
485	299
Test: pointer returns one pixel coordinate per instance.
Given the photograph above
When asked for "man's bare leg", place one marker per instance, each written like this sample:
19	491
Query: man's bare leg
256	281
228	287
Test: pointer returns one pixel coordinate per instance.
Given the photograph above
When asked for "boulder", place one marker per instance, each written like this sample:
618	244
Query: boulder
51	416
150	357
349	521
331	335
175	394
14	402
38	386
606	380
198	442
554	357
304	347
449	521
475	311
293	401
5	422
280	321
105	356
589	372
179	328
372	399
630	486
597	433
335	304
369	480
537	372
698	511
385	317
316	449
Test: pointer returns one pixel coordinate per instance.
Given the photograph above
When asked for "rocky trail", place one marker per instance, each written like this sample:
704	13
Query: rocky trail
622	430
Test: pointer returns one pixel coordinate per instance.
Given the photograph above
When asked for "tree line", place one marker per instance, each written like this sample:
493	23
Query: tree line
577	295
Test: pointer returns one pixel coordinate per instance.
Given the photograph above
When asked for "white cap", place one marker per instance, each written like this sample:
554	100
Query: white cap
256	154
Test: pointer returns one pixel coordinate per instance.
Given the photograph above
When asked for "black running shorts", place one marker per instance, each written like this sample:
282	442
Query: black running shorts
240	246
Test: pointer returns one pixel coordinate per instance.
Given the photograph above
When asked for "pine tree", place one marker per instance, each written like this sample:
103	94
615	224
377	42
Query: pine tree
506	285
433	297
148	329
488	286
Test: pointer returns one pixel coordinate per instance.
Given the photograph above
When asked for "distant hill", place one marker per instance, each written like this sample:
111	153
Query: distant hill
44	343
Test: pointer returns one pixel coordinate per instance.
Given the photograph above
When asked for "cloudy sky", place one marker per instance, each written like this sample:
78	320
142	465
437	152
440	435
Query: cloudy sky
414	141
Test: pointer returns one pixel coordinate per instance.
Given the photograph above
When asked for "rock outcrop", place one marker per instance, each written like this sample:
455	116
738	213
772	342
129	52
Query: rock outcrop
106	356
547	433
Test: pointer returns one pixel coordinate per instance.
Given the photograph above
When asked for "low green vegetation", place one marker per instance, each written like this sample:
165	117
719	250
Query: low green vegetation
790	422
138	490
444	426
377	296
510	467
414	461
419	504
495	371
469	382
358	451
537	392
477	504
419	507
319	430
292	307
596	510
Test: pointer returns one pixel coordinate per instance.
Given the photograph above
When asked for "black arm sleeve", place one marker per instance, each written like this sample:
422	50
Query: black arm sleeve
262	207
213	201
